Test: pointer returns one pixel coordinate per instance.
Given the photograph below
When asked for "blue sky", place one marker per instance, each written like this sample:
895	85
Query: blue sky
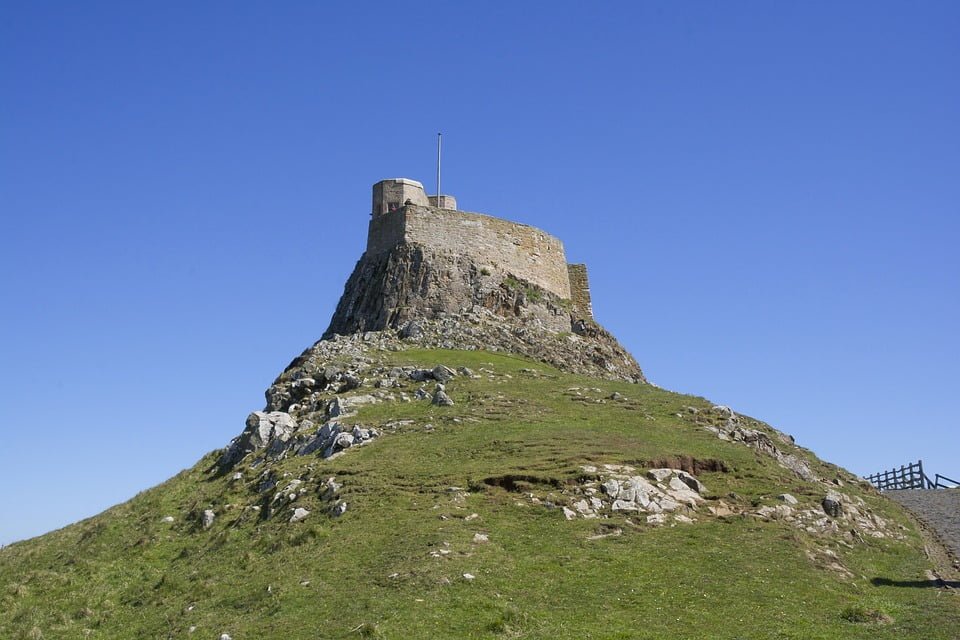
766	194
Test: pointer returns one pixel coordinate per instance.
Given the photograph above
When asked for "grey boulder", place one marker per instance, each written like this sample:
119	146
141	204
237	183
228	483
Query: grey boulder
440	397
299	514
207	518
261	429
832	504
443	373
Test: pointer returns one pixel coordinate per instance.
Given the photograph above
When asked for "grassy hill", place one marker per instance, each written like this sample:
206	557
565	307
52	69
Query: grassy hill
455	528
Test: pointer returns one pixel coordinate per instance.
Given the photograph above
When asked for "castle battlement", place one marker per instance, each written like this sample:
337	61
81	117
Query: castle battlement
404	215
393	193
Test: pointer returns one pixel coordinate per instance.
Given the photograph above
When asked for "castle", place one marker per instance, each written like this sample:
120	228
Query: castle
456	280
402	214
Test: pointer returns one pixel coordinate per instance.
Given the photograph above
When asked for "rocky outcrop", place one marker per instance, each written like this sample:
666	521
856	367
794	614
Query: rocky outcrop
727	425
441	299
262	429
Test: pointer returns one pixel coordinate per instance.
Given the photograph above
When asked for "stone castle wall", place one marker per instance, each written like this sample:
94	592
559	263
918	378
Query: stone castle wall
521	250
390	195
580	290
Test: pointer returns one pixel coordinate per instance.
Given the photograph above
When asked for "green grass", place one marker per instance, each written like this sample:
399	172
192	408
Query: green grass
377	571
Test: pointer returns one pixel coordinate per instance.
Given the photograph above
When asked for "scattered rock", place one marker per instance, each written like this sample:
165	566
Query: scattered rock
480	538
832	504
727	425
721	510
786	497
443	373
669	505
167	519
261	429
299	514
411	330
421	375
659	475
611	487
343	441
778	512
691	482
440	397
207	518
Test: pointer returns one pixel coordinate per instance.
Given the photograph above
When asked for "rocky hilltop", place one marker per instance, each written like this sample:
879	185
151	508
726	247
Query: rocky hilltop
443	277
420	291
434	298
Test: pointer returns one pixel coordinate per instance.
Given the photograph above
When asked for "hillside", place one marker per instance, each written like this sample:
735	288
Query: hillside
540	504
467	453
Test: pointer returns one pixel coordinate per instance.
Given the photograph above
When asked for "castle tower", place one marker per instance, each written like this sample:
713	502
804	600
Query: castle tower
389	195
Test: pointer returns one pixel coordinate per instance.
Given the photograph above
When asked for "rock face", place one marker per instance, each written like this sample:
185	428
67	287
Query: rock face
727	425
437	298
261	429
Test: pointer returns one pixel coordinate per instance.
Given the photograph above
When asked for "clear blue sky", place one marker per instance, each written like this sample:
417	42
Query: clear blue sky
767	196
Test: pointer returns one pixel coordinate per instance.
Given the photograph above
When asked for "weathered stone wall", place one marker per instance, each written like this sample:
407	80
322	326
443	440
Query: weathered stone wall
521	250
385	232
389	195
443	202
580	290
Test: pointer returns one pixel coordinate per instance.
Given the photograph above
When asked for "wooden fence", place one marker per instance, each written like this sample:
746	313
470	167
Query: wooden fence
910	476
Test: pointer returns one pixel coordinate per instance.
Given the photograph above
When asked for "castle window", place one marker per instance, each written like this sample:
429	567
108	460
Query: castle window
393	206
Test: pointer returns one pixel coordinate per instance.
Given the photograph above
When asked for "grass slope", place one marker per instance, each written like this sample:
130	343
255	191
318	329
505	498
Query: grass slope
393	565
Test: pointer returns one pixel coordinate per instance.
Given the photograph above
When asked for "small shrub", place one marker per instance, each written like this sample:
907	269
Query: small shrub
510	620
369	630
859	614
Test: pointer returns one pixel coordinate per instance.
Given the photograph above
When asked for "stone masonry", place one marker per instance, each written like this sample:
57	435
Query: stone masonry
580	290
494	244
403	214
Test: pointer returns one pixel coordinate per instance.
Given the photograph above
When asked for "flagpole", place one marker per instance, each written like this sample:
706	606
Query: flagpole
439	138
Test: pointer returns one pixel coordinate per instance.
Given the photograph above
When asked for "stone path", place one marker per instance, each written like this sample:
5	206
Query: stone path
939	508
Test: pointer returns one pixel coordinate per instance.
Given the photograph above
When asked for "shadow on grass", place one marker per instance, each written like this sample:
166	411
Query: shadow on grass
916	584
